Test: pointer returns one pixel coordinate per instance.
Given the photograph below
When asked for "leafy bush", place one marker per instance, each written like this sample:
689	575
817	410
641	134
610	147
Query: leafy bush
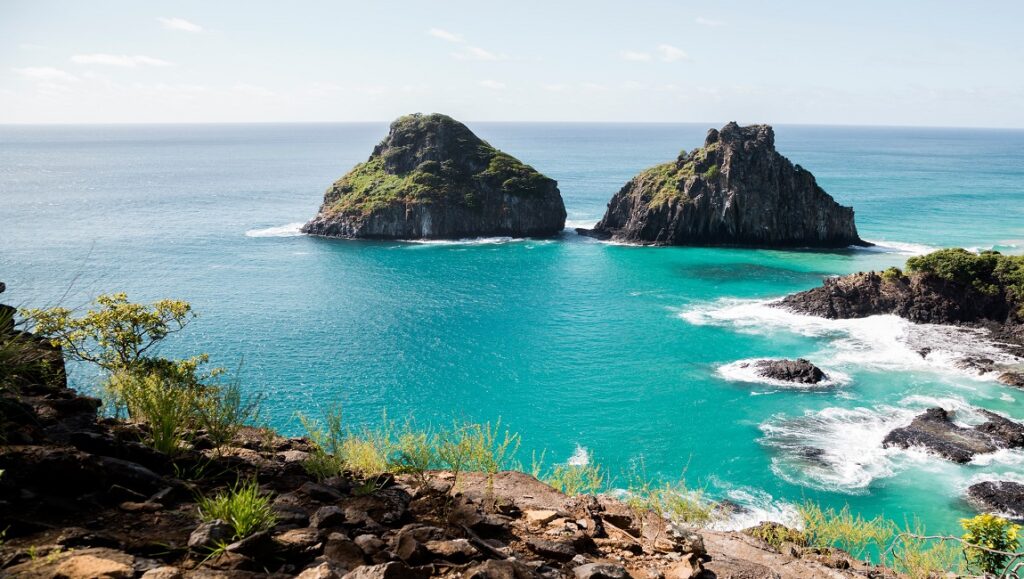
115	335
776	535
922	558
576	479
674	501
844	530
243	506
987	271
990	532
892	274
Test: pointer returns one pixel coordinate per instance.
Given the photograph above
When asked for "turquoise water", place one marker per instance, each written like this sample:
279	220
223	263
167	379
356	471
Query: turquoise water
622	352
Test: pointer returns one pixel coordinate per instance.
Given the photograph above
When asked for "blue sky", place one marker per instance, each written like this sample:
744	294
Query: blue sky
936	63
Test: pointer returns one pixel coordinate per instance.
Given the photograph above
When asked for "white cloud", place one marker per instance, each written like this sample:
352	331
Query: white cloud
118	60
253	90
555	87
492	84
669	53
710	23
445	35
634	56
45	73
180	24
477	53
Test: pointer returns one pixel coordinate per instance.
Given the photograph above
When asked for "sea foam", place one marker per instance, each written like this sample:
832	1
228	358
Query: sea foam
289	230
747	371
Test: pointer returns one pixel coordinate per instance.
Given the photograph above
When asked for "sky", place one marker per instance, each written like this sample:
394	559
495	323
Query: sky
907	62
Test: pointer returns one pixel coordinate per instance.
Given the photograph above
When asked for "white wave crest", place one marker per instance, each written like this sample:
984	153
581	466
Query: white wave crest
580	457
289	230
900	247
753	507
878	342
474	241
747	371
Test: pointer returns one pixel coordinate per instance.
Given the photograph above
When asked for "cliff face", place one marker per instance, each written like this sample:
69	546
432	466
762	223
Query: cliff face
735	190
431	177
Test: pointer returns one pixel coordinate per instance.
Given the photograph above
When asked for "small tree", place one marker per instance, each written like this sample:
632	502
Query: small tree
994	534
115	335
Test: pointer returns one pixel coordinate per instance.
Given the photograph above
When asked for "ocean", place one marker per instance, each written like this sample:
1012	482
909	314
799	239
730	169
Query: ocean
624	355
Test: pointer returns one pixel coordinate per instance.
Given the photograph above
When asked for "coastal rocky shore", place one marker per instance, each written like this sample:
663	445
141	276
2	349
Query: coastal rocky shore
81	497
735	190
432	178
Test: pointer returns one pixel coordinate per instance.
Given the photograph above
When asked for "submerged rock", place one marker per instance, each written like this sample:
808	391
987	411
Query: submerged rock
1001	497
935	431
800	371
432	178
735	190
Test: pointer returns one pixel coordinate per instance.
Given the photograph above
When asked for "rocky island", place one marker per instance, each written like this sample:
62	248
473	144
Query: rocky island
735	190
432	178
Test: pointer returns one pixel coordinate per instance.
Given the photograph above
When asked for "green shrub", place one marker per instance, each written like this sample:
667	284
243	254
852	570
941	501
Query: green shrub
577	479
674	501
326	459
852	533
165	407
922	558
961	266
243	506
711	173
991	532
776	535
892	274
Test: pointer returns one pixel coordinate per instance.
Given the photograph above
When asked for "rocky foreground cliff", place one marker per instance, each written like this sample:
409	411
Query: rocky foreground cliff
432	178
735	190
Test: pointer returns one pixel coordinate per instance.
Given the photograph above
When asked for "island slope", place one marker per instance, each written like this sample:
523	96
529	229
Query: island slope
735	190
432	178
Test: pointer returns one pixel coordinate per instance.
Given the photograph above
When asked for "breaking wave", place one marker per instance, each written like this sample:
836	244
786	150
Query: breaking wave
289	230
746	371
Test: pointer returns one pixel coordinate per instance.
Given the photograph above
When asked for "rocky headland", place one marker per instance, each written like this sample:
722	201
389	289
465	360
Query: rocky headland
432	178
736	190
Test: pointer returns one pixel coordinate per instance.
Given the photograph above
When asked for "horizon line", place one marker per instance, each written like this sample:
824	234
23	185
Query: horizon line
520	122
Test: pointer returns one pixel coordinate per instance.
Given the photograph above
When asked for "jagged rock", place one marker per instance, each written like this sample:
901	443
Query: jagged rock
600	571
370	544
799	371
1001	497
431	177
735	190
327	516
935	431
343	551
453	550
557	550
729	568
211	534
540	517
298	540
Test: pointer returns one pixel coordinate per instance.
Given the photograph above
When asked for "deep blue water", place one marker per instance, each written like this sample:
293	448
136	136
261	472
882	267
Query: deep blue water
622	351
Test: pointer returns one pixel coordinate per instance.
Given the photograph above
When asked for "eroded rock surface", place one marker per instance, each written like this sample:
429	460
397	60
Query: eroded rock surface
936	432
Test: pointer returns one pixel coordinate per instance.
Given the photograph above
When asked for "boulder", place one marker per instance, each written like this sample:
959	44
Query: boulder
735	190
935	431
95	566
600	571
390	570
1015	379
1005	498
211	534
432	178
501	569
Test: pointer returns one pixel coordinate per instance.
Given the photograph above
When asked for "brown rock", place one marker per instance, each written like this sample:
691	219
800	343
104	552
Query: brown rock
501	569
552	549
298	539
165	572
600	571
327	516
540	517
92	567
455	550
390	570
343	551
322	571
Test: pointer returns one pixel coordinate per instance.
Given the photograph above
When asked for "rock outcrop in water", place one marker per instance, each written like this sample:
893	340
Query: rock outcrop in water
935	431
799	371
735	190
1005	498
949	286
432	178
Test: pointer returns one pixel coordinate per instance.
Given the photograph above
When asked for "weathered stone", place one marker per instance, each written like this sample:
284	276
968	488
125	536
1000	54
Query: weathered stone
600	571
344	551
319	492
556	550
211	534
454	550
390	570
143	507
370	544
539	517
298	539
1015	379
736	190
92	567
431	177
327	516
321	571
165	572
501	569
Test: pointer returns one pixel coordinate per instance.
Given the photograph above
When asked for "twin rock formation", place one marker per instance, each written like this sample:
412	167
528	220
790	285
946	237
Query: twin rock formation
432	178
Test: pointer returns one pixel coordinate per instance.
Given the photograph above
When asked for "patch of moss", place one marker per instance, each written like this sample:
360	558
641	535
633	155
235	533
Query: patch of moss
892	274
711	173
